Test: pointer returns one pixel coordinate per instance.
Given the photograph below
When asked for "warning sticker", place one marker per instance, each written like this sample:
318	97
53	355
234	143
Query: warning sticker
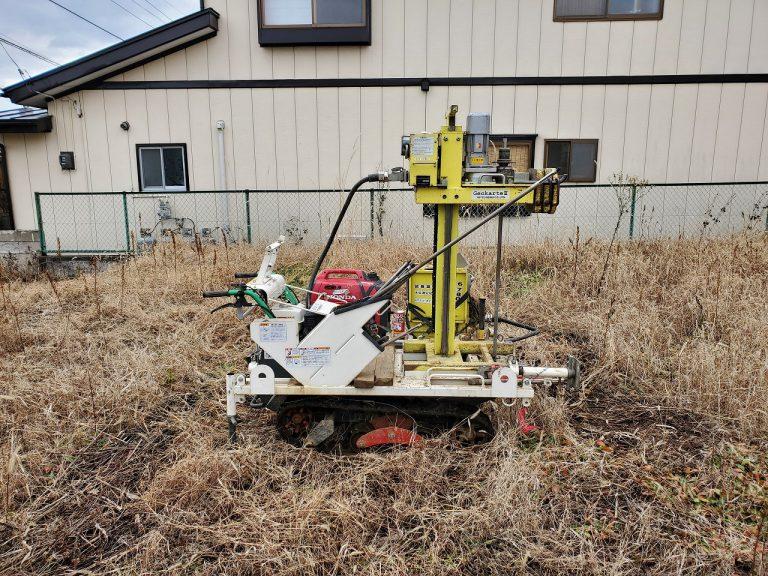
273	332
423	146
489	194
322	307
308	357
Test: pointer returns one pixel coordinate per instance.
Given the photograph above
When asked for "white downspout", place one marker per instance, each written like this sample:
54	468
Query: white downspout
222	200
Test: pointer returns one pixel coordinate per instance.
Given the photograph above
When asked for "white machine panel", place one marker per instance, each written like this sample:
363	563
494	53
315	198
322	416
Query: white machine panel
332	355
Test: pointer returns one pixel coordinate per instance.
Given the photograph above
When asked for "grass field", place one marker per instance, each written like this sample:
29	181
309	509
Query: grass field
113	436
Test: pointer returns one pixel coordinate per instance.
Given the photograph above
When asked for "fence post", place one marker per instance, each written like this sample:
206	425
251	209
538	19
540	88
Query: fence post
632	212
248	215
126	223
766	220
43	249
372	199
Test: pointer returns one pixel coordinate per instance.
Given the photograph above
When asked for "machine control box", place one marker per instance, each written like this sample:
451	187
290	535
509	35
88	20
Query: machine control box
424	151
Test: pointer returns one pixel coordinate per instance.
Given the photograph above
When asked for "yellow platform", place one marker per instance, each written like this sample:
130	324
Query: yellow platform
479	348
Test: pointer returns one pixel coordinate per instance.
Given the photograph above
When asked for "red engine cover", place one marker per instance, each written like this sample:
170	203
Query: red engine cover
344	285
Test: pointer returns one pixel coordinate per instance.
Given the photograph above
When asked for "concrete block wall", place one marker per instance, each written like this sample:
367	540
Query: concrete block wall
18	251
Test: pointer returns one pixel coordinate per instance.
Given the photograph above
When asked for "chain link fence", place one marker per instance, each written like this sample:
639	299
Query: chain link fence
120	222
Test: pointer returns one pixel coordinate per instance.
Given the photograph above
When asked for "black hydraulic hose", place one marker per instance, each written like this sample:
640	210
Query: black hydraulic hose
532	330
336	226
394	283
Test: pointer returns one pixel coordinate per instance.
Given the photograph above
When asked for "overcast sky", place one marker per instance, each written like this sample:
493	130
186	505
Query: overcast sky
52	32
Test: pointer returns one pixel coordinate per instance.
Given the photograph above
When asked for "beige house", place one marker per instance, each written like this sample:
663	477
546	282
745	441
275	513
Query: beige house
308	94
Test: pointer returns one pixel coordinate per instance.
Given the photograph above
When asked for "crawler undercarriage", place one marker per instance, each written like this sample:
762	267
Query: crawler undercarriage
350	424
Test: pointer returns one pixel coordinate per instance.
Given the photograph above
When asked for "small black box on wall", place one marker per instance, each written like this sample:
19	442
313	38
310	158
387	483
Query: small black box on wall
67	160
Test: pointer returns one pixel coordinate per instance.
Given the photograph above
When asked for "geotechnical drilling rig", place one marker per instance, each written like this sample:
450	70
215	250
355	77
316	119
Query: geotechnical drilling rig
336	377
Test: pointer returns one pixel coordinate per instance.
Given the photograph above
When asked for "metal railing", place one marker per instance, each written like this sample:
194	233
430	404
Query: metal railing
121	222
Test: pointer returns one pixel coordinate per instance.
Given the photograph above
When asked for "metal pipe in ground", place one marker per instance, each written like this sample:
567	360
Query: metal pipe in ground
497	287
223	198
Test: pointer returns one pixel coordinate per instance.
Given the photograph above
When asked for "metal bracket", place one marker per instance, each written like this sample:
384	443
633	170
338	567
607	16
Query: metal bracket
573	382
465	377
321	432
506	384
261	381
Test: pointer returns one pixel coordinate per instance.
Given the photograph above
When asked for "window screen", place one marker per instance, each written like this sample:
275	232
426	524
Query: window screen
634	7
607	9
313	12
583	157
287	12
578	8
173	167
559	156
162	168
577	158
349	12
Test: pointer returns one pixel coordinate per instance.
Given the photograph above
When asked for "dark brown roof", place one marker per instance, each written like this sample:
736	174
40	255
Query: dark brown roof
112	60
24	120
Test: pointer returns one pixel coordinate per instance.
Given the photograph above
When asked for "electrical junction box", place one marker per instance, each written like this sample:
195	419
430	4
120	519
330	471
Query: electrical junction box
420	293
67	160
423	159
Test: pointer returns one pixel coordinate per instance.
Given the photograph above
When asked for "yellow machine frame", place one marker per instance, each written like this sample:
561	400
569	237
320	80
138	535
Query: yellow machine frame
437	175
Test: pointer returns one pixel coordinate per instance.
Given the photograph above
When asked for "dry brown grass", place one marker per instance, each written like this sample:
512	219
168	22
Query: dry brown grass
113	432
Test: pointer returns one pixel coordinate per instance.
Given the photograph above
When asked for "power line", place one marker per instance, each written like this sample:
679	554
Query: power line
176	8
27	50
124	9
18	68
156	8
155	16
84	19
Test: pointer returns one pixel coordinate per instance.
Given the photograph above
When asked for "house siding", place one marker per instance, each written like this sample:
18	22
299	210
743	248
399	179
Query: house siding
327	137
286	138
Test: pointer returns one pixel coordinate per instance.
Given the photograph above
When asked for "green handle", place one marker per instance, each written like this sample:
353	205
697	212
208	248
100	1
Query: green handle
290	296
256	298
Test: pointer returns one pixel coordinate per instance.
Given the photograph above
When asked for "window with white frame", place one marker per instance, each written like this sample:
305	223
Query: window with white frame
162	167
608	9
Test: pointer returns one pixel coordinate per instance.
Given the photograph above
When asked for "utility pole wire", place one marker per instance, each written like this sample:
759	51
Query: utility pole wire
156	8
27	50
84	19
179	10
124	9
18	68
144	8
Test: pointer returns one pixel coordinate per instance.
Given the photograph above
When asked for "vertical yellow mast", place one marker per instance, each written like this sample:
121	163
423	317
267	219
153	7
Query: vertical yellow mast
448	169
451	142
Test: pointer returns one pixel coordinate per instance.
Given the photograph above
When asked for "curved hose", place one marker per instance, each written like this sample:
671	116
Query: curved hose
532	330
336	226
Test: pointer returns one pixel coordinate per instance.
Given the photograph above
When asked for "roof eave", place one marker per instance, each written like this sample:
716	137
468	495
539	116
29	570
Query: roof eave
38	125
155	43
